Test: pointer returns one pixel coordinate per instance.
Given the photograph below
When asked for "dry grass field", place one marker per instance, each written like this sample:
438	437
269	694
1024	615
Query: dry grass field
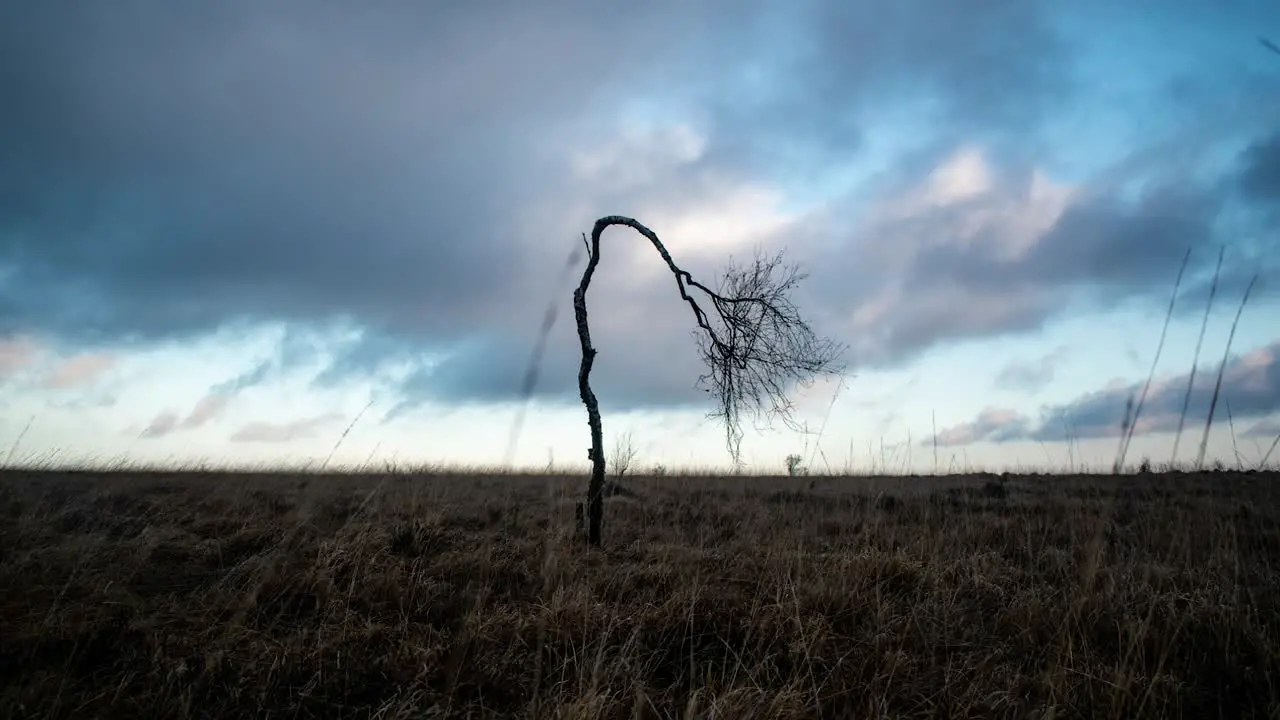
294	596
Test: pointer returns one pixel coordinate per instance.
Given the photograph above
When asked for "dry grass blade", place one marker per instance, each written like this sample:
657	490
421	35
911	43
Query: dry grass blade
1235	447
345	431
1222	368
13	449
1131	420
1195	359
533	368
1262	464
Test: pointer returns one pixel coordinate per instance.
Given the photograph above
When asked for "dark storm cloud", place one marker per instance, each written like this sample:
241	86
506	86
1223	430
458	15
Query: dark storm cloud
1250	388
964	270
167	169
798	97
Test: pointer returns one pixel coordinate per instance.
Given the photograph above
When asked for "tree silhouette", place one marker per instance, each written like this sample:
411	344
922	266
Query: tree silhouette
752	339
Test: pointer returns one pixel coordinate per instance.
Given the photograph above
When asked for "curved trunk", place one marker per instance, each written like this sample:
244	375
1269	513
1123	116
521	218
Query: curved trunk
595	488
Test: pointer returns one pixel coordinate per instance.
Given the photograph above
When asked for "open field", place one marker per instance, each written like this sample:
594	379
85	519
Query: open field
207	595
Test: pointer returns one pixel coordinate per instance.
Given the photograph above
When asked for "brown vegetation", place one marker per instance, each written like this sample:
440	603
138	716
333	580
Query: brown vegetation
206	595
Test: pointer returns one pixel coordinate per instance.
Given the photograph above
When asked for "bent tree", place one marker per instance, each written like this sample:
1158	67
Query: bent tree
751	337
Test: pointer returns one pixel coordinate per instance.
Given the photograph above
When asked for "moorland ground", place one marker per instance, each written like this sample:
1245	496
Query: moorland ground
254	595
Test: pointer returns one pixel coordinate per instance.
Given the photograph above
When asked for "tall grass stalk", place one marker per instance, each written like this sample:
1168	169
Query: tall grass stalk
1132	421
13	449
1195	360
533	367
1222	368
344	434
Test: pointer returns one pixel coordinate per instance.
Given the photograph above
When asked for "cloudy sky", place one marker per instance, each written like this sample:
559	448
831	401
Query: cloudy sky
227	229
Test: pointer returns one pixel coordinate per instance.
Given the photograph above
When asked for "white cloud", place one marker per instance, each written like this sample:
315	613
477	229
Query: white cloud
696	211
730	217
981	207
962	176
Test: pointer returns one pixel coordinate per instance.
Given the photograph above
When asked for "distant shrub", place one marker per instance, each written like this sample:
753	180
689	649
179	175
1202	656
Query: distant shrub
795	465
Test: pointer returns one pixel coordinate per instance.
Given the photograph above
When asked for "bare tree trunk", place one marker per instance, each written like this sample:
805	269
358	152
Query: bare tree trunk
595	489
